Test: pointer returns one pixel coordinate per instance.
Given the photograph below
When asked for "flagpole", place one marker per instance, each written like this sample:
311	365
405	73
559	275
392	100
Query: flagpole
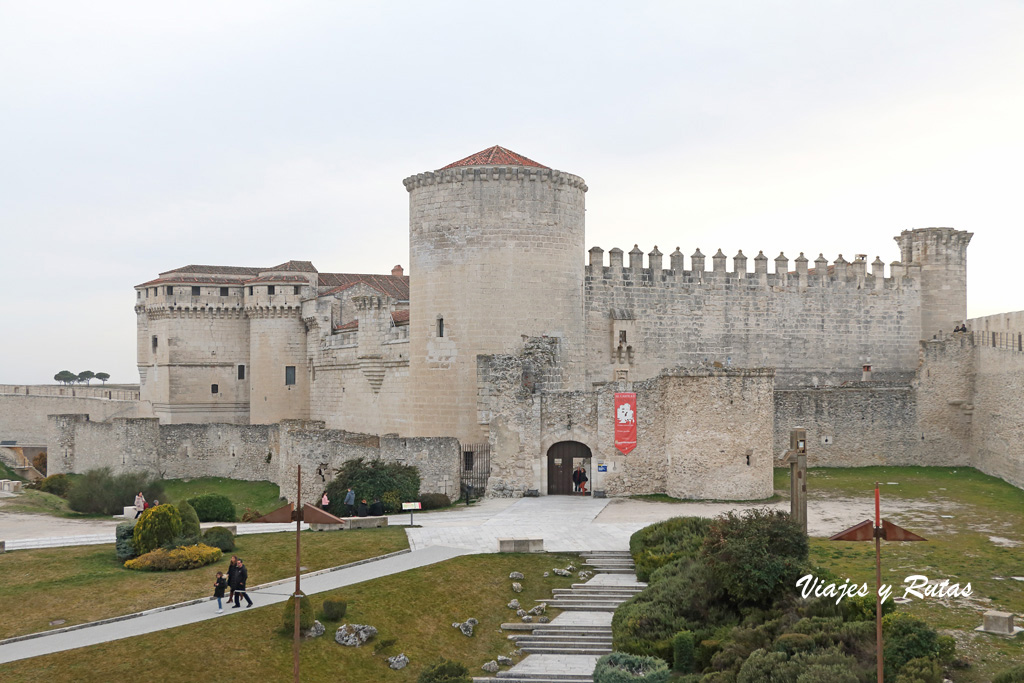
298	528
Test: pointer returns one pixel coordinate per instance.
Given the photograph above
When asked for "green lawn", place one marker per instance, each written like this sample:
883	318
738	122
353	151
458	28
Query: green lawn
415	608
82	584
981	512
7	473
258	495
39	503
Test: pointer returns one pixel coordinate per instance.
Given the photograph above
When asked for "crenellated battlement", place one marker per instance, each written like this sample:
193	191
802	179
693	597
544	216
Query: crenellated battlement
839	274
494	173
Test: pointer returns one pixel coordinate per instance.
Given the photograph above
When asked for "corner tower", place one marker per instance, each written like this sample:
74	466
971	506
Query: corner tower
496	252
941	254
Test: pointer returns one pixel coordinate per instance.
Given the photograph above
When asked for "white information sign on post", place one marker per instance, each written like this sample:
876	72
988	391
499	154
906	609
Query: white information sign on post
411	507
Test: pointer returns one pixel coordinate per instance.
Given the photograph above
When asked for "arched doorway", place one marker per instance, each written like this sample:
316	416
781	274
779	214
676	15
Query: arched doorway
563	458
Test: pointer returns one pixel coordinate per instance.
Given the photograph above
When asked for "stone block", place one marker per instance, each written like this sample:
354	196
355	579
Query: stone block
999	622
520	545
15	487
128	512
365	522
5	484
3	546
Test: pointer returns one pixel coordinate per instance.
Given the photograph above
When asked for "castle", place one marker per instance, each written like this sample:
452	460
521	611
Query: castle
507	344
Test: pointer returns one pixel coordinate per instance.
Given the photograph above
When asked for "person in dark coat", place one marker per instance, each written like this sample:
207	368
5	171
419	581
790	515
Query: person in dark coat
576	480
363	510
583	480
232	577
218	591
350	502
241	576
376	508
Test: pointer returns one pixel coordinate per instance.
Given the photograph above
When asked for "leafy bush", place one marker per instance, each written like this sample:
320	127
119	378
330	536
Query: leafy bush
666	542
445	671
921	670
189	520
219	537
392	502
125	545
621	667
862	607
213	507
1012	675
251	515
907	638
434	501
57	484
683	652
156	526
102	492
39	462
372	480
179	541
334	610
758	554
186	557
307	614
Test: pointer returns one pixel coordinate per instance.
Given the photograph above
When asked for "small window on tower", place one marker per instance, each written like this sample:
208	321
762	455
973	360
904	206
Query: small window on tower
214	388
250	291
296	290
195	291
440	327
241	372
271	290
170	290
223	291
154	342
289	374
138	294
622	336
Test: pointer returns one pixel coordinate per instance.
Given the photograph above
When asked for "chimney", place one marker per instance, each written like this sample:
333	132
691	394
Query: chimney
397	271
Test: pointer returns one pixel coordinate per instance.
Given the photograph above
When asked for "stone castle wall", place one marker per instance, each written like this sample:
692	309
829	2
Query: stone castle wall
23	417
998	425
812	329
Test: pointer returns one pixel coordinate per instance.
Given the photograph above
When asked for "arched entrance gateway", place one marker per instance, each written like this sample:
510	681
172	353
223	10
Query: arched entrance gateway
563	458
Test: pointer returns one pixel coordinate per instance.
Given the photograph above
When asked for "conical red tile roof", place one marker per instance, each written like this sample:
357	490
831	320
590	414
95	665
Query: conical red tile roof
495	156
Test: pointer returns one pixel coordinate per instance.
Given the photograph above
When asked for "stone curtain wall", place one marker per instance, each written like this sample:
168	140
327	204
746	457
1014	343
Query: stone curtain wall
23	418
437	459
998	429
812	330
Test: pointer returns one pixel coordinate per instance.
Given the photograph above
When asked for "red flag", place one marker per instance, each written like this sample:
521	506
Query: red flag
625	422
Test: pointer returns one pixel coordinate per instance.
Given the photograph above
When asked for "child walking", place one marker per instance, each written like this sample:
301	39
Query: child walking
218	591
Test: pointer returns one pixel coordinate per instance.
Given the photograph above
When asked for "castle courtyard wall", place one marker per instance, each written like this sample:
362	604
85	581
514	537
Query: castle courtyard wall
998	428
23	418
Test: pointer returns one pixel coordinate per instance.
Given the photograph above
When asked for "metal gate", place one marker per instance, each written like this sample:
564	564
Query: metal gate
476	468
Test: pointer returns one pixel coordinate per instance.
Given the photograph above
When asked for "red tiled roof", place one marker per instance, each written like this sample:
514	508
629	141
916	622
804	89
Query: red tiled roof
300	266
220	270
398	317
495	156
194	280
395	286
277	278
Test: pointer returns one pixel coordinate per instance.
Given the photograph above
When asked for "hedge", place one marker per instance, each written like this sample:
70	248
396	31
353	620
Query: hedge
213	507
219	537
189	520
621	667
186	557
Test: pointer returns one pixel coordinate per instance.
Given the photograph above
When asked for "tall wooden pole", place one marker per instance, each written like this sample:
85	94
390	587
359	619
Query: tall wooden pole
878	586
298	549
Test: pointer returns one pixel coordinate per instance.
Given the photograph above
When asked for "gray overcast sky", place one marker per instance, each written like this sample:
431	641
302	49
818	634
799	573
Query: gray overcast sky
139	137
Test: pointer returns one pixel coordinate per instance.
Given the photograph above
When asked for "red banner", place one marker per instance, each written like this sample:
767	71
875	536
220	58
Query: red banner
625	422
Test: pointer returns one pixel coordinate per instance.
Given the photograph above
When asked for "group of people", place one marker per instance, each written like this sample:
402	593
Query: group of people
961	328
374	509
234	582
579	480
141	504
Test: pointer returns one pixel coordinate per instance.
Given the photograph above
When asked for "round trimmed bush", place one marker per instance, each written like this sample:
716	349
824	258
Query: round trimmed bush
189	520
219	537
334	610
125	544
620	667
157	526
434	501
57	484
307	614
683	650
213	507
445	671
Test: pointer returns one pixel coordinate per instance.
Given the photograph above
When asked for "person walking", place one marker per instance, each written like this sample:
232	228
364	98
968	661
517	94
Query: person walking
232	577
324	502
583	481
350	502
240	580
218	591
576	480
140	504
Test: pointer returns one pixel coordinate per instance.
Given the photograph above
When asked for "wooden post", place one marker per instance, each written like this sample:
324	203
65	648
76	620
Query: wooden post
878	587
298	551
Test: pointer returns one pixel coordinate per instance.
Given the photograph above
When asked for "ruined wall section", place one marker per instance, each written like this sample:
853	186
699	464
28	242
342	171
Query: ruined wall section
816	327
944	392
998	429
24	418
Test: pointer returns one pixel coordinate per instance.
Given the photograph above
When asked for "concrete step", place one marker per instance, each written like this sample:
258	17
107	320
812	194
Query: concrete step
565	638
596	631
567	646
606	590
589	607
636	584
613	570
511	675
566	650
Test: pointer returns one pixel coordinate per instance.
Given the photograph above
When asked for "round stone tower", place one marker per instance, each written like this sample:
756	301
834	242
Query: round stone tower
496	253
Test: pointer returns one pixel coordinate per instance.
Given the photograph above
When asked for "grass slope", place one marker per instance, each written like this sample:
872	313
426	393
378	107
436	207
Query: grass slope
416	608
258	495
87	583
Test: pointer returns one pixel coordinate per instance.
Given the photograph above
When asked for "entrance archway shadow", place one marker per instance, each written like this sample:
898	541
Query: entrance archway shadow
563	458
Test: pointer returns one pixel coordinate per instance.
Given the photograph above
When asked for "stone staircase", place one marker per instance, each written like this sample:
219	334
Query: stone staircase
566	649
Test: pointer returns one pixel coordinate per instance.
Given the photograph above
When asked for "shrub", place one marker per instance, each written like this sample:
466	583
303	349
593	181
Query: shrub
39	462
213	507
434	501
392	502
101	492
187	557
57	484
621	667
180	541
156	527
907	638
189	520
1012	675
758	555
667	542
372	480
251	515
920	670
862	608
125	545
791	643
683	652
219	537
334	610
307	614
445	671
